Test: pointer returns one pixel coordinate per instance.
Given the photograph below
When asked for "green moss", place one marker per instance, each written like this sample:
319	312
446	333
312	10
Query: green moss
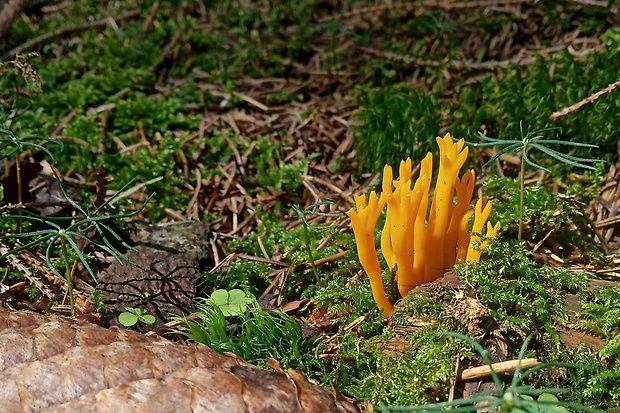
419	375
522	297
601	316
395	122
416	304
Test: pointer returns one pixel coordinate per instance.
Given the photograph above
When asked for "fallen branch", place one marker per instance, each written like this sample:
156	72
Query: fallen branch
447	5
463	64
574	108
63	31
450	64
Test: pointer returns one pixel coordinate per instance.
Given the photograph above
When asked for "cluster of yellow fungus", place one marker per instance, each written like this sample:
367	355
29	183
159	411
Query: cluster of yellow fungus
421	245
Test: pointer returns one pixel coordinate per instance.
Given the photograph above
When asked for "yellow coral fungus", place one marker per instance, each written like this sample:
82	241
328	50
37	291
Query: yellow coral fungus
386	246
421	245
452	156
480	217
363	221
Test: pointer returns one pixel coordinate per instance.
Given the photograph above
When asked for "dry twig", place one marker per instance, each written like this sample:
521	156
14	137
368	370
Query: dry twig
446	5
499	368
63	31
573	108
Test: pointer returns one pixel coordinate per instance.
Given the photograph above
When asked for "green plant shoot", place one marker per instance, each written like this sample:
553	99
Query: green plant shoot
133	315
230	303
310	210
534	140
12	144
80	228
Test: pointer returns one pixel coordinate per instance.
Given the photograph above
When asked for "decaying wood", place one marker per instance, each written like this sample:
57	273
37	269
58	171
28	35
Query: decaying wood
54	364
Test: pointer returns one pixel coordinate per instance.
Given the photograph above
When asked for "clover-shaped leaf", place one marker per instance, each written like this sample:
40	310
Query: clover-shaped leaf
133	315
127	319
231	303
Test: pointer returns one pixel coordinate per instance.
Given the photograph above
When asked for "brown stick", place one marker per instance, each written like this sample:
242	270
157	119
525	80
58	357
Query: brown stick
149	20
47	37
426	4
573	108
450	64
499	368
8	14
331	258
168	49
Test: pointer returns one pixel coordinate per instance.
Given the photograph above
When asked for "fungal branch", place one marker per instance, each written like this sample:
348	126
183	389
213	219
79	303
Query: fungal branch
419	243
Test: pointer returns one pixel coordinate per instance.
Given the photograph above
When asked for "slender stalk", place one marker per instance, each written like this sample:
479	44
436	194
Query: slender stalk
18	172
521	201
309	251
598	234
68	275
73	268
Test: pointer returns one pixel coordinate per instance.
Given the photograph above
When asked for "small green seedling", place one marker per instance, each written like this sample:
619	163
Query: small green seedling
310	210
12	144
133	315
230	303
535	141
75	228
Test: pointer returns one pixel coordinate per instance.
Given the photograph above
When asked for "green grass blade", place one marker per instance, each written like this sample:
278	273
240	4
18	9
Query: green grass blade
121	216
41	148
500	153
555	364
471	404
48	259
515	375
530	162
75	248
531	391
569	157
575	406
120	191
35	218
528	405
67	197
28	234
569	143
566	158
115	235
496	140
23	247
115	253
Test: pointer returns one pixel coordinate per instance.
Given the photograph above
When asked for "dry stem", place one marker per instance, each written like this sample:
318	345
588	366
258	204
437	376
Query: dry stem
573	108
